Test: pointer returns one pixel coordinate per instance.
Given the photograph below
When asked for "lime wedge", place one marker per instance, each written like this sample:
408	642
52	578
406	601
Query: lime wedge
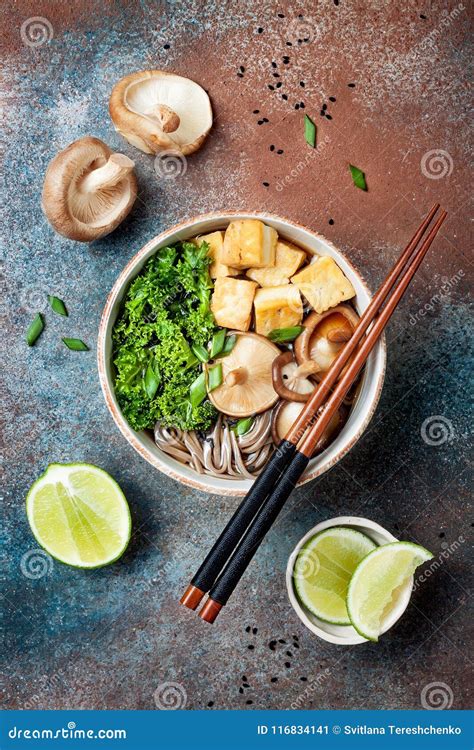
79	514
376	582
323	569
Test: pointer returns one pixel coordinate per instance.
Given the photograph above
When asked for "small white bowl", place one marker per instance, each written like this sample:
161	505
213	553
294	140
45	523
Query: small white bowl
345	635
372	378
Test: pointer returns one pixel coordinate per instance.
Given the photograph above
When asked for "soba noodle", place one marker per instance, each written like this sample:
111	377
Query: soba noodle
219	452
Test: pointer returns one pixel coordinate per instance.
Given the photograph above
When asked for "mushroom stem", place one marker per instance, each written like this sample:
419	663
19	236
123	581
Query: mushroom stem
236	377
114	170
168	119
307	368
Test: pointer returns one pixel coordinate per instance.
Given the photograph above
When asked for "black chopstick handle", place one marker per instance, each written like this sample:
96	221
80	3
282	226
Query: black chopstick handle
264	519
231	535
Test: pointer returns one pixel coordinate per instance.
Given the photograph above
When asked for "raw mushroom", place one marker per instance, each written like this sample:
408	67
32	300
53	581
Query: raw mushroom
324	335
159	111
88	190
247	386
290	380
286	413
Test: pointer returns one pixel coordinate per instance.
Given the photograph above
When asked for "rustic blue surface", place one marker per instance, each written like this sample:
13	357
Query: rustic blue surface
109	638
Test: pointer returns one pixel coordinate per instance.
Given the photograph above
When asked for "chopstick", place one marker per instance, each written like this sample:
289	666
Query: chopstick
212	565
265	517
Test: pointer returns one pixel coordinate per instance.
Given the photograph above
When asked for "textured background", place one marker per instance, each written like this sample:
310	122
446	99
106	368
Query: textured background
110	638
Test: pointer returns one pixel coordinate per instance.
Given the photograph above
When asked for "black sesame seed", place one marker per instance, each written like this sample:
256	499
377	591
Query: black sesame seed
322	113
276	75
281	640
297	106
242	69
336	2
255	631
442	535
274	65
166	46
247	629
302	84
304	679
244	678
250	647
328	117
241	690
295	638
289	44
272	147
265	119
285	97
325	106
272	645
302	105
279	85
288	653
249	703
259	30
332	98
331	221
274	679
280	151
256	111
272	88
280	15
422	16
286	62
351	85
300	41
210	704
246	685
287	664
240	75
265	184
306	39
296	645
260	122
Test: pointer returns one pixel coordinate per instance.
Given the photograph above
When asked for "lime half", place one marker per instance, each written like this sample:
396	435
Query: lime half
323	569
376	582
79	514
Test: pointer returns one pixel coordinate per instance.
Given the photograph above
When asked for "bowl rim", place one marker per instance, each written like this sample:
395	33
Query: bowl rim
353	638
199	481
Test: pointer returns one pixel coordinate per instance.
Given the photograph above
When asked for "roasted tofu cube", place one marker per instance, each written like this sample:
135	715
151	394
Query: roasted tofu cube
231	302
268	276
249	243
288	258
323	284
277	307
215	240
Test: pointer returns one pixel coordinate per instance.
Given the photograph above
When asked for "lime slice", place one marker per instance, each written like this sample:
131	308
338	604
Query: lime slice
377	581
79	514
323	569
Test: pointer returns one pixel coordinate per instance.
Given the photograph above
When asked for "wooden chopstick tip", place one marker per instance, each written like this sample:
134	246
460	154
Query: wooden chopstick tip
210	610
192	597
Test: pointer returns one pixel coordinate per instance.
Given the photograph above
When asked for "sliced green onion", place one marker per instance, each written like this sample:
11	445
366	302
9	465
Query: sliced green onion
217	343
151	381
214	377
283	335
358	177
309	131
76	345
243	426
197	391
200	352
35	329
229	344
57	306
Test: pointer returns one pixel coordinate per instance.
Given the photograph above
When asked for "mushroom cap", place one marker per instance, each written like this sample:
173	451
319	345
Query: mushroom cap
290	380
75	203
317	342
247	386
141	101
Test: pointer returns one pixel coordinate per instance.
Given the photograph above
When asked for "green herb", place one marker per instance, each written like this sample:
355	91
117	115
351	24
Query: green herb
200	352
214	377
283	335
197	391
151	381
166	318
243	426
35	329
76	345
229	344
217	343
358	177
309	131
57	305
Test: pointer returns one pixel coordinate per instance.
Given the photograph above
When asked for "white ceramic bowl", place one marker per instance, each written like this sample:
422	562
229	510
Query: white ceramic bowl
372	380
345	635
